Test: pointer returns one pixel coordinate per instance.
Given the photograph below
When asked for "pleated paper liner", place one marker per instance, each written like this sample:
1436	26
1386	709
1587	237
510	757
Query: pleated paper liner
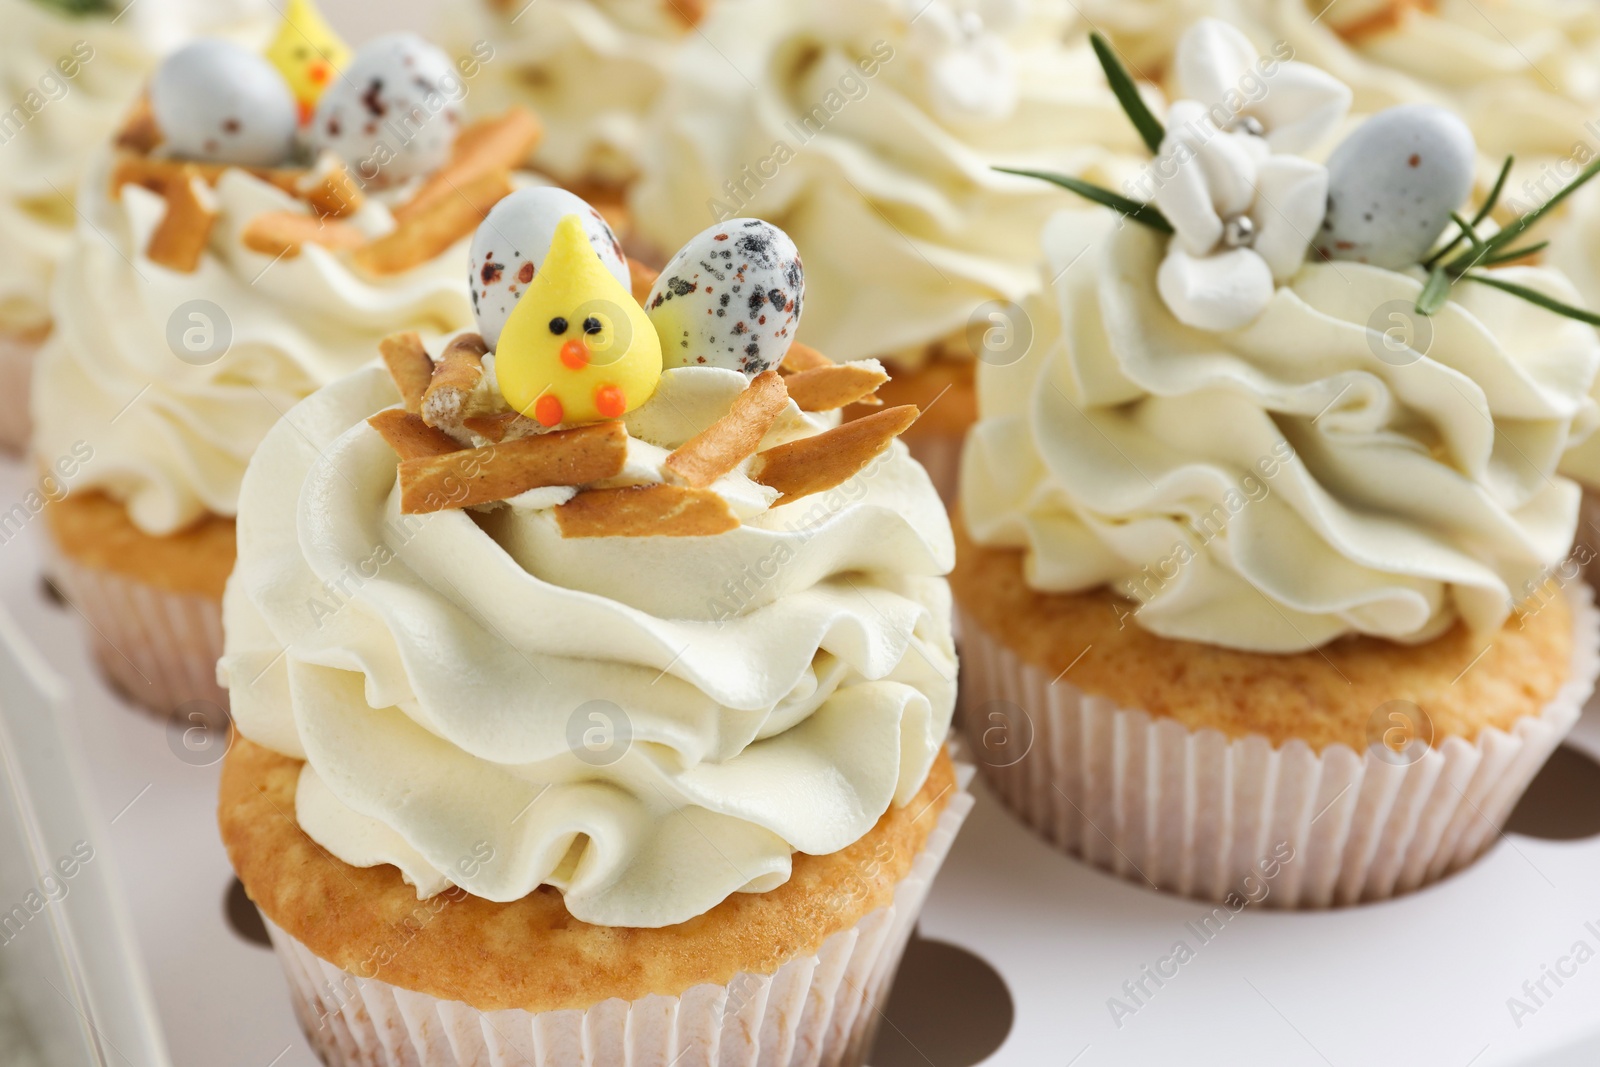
1195	813
18	349
1586	547
159	648
940	456
819	1010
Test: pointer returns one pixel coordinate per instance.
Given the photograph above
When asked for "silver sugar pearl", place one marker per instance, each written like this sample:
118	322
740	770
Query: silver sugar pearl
1239	232
1249	124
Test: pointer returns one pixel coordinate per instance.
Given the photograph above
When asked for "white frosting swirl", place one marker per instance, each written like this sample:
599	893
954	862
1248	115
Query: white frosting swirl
590	69
870	137
66	83
1278	486
768	690
172	438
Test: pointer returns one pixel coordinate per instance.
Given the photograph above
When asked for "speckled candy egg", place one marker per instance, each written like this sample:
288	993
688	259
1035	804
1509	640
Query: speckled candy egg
394	112
1393	183
220	103
510	246
730	298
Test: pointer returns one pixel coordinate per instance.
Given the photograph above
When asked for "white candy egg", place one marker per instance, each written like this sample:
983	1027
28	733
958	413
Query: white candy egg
510	246
217	102
729	298
1393	183
394	112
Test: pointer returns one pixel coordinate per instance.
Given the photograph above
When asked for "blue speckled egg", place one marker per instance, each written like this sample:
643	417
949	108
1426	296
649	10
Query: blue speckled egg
510	246
729	298
219	103
394	112
1393	183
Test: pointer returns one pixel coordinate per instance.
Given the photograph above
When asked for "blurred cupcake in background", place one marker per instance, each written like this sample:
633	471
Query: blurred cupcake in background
231	260
869	131
68	69
1520	73
590	69
1268	574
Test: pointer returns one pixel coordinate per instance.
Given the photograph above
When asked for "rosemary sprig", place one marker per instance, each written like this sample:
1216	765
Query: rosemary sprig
1435	292
1496	250
1462	263
1515	253
82	7
1533	296
1127	93
1137	210
1483	213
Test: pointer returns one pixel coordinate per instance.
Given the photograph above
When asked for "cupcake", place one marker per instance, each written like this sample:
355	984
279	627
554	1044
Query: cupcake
590	69
1266	576
869	130
591	711
229	262
67	71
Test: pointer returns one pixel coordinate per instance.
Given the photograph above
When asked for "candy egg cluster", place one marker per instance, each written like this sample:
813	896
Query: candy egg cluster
730	298
217	102
395	111
1393	183
509	248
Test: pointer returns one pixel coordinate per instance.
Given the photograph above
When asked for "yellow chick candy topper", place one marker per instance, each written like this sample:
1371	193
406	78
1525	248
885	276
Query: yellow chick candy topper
307	53
577	347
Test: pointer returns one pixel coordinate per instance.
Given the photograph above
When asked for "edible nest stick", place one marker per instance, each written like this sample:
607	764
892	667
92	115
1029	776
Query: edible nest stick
495	472
646	511
817	464
723	445
408	365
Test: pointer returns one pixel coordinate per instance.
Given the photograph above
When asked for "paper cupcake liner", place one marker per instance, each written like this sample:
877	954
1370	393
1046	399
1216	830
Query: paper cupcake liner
1195	813
1587	543
940	456
159	648
820	1009
17	352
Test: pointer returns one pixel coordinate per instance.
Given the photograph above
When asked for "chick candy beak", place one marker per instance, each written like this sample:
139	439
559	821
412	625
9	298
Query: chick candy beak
574	354
318	73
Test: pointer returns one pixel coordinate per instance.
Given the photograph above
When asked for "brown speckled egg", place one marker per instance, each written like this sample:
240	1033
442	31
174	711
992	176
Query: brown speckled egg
730	298
393	113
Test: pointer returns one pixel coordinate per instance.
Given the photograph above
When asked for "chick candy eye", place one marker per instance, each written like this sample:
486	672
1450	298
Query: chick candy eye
591	325
558	326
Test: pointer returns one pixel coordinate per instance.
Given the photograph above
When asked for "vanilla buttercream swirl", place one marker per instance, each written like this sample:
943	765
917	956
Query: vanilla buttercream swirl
646	724
1338	466
870	137
590	69
130	365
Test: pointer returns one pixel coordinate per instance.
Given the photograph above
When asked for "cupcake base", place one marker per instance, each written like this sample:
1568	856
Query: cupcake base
152	607
1223	815
18	350
818	1005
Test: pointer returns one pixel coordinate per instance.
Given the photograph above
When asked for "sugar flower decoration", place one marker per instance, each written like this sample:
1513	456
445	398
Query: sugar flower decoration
971	69
1243	210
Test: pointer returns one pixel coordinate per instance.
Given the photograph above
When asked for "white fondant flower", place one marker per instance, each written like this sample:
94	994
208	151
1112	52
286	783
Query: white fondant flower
1242	213
972	70
1293	105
